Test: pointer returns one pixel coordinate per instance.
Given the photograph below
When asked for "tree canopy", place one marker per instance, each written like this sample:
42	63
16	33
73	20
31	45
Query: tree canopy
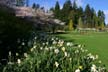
89	17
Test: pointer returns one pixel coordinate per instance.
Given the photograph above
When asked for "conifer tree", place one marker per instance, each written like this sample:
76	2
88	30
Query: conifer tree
70	25
102	26
57	10
20	2
67	7
80	23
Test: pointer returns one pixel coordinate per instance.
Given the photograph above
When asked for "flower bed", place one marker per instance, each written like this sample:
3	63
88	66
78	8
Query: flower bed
55	55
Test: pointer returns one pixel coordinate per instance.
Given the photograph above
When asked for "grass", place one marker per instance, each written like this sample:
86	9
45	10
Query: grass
95	42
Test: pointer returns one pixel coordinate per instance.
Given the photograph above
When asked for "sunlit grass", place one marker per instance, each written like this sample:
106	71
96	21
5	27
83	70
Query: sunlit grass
95	42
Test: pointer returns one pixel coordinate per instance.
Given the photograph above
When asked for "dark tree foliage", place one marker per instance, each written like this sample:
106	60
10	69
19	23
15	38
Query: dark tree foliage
35	6
57	10
13	32
74	5
20	2
67	7
90	18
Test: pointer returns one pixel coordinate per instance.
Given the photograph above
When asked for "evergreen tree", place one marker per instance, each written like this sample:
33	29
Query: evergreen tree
20	2
80	23
57	10
35	6
70	25
93	18
102	26
95	21
88	16
80	11
101	17
67	7
74	5
52	9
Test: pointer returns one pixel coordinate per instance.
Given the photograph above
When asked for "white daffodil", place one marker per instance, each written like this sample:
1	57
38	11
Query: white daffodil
77	70
86	50
35	38
47	43
54	42
50	48
56	38
34	46
25	55
17	54
97	57
63	49
18	61
92	57
100	61
70	59
41	48
46	48
23	43
56	64
9	53
79	46
68	44
65	53
77	51
52	39
89	54
31	49
93	68
56	51
10	63
43	43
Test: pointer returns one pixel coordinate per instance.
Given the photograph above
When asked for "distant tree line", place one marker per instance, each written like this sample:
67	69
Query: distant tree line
79	17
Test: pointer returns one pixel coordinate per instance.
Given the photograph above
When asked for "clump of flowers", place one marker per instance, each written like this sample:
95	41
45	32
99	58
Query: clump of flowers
56	55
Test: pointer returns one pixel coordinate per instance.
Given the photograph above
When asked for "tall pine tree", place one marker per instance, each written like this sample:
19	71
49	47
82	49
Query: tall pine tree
20	2
67	7
88	16
57	10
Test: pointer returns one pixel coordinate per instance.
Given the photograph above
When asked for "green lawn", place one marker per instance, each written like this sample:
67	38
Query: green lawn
96	43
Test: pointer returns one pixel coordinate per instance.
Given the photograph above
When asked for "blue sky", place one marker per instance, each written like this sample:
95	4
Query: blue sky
96	4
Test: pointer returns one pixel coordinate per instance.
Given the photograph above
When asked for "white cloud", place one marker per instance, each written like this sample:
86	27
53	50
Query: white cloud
106	15
105	11
79	2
